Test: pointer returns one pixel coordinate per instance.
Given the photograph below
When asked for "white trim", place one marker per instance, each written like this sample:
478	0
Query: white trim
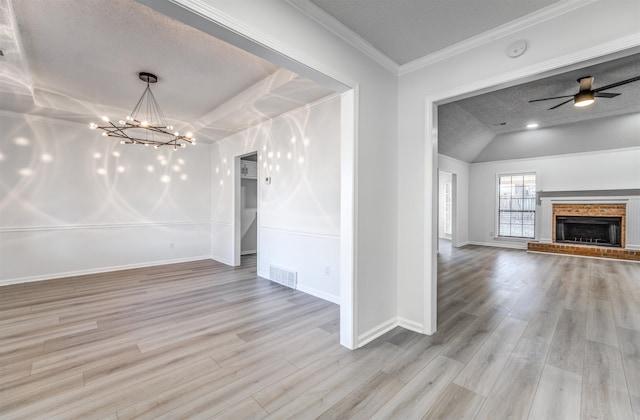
349	271
319	294
561	156
75	273
431	144
299	233
377	331
632	247
222	260
345	33
509	245
252	40
410	325
465	243
453	160
491	35
587	200
538	68
308	290
100	226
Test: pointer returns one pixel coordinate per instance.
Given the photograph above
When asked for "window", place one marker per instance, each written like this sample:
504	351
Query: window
517	205
447	208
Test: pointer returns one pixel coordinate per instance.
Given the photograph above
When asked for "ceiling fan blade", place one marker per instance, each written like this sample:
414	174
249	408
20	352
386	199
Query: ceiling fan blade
560	104
586	83
620	83
555	97
606	95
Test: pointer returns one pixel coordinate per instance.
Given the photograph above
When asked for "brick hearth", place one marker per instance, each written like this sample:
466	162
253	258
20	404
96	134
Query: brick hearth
595	210
585	250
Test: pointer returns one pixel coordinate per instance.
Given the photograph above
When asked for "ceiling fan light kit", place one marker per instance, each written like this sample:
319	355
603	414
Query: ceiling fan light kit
584	99
587	95
150	130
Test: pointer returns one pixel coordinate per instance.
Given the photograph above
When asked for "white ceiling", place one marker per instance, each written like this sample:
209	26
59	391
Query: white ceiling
410	32
79	60
406	30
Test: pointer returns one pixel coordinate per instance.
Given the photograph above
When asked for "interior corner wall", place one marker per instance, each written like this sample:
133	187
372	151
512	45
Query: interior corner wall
461	169
605	170
481	67
299	210
74	203
298	42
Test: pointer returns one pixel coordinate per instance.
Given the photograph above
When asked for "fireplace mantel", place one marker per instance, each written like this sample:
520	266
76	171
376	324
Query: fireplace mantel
545	216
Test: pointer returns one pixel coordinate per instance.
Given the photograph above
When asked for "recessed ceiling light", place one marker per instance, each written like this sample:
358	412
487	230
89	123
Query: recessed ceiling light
532	125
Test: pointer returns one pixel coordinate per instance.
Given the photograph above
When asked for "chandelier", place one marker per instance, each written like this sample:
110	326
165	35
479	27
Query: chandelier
150	128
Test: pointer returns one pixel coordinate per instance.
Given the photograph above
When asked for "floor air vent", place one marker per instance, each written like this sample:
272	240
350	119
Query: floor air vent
283	276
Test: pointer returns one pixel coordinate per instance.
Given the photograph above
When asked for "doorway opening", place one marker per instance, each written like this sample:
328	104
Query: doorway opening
246	207
446	206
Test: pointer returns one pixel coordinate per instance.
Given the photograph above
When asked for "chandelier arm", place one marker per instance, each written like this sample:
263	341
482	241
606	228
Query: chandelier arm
155	122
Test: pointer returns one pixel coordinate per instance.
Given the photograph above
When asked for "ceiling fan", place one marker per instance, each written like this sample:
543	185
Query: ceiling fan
586	95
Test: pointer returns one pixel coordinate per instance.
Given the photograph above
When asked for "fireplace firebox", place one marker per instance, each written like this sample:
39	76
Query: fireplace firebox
589	230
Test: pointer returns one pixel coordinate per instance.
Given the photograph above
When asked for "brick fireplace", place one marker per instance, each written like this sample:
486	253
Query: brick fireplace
595	212
588	229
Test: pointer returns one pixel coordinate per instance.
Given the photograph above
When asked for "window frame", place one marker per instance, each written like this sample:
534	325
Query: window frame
496	233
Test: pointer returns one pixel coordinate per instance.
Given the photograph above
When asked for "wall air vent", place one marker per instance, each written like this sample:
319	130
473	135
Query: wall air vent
283	276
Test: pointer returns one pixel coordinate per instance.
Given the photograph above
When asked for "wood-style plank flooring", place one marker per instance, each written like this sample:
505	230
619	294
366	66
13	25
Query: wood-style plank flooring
520	336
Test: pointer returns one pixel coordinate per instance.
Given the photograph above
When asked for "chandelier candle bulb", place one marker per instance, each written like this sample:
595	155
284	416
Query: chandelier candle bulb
152	130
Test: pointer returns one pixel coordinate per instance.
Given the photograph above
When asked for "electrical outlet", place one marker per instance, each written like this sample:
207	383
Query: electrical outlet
171	245
491	234
327	270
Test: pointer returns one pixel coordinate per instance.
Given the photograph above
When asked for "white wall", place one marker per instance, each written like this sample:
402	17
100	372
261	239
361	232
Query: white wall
279	32
299	212
606	170
461	170
60	215
483	66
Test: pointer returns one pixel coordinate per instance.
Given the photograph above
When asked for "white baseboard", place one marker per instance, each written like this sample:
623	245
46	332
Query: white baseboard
461	244
319	294
74	273
222	260
376	332
308	290
511	245
410	325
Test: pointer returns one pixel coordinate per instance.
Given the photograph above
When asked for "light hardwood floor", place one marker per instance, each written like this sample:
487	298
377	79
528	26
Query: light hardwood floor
520	336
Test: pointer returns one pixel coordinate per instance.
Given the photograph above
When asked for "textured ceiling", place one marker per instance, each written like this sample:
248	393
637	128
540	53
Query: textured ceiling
83	57
467	126
405	30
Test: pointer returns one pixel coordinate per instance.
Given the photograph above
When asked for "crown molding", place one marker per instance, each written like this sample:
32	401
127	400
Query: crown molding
339	29
509	28
250	39
612	47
